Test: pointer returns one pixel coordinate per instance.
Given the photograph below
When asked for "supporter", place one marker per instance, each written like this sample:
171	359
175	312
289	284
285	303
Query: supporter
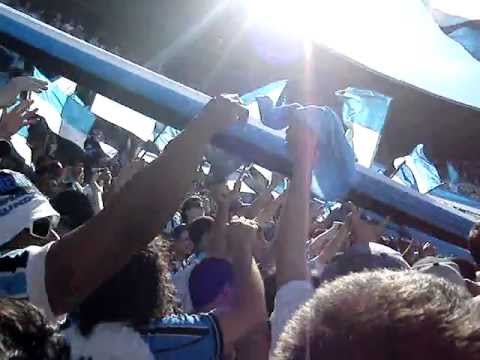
75	176
26	216
191	209
182	247
211	285
25	333
59	275
115	322
360	257
208	236
199	232
292	275
442	267
74	209
384	315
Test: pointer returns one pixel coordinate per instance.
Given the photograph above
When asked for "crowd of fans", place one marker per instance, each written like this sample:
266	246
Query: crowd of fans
138	263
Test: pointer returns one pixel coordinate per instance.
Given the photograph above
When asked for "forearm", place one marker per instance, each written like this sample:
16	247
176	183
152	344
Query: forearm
292	231
260	202
217	245
249	309
87	257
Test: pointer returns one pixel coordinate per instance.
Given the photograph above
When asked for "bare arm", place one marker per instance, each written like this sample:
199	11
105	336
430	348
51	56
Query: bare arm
293	226
217	245
249	311
85	258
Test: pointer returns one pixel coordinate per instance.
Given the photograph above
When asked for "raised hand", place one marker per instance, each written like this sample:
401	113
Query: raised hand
12	121
302	142
242	232
364	232
223	111
16	85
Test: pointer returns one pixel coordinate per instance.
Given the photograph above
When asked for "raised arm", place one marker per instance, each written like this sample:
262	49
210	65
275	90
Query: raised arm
249	312
16	85
217	244
85	258
293	226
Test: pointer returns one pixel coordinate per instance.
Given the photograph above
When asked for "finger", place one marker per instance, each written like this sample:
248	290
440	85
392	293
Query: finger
22	107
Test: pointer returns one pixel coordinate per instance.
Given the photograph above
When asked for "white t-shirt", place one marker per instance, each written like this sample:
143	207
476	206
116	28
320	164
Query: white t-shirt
22	276
181	280
290	297
108	341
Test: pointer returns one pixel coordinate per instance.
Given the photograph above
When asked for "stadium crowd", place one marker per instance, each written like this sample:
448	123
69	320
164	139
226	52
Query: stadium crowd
139	263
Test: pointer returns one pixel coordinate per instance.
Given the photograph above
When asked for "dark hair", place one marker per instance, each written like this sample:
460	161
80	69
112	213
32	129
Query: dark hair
74	208
26	334
198	228
190	203
384	315
139	292
207	280
467	268
177	232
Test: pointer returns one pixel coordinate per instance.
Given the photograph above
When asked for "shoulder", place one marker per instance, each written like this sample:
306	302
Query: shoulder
184	336
107	341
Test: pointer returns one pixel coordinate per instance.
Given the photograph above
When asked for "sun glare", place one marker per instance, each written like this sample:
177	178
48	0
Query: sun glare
293	18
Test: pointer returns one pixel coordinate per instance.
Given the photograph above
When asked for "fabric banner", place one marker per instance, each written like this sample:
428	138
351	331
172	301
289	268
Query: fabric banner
134	122
364	114
65	114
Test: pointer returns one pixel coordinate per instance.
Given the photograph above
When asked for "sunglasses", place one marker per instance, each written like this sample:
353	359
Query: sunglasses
41	228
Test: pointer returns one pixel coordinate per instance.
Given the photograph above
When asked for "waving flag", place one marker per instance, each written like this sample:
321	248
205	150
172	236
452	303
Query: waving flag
65	114
416	171
134	122
364	115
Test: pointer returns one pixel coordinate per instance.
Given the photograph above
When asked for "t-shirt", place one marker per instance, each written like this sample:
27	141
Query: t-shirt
181	280
22	276
290	297
173	337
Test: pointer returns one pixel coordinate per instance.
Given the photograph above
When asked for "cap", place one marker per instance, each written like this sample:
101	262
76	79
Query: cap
21	203
362	257
441	267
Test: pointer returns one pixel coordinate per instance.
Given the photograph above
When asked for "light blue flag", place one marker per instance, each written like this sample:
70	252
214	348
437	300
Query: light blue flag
416	171
334	173
65	114
364	114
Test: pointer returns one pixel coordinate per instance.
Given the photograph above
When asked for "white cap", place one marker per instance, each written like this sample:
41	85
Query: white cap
21	203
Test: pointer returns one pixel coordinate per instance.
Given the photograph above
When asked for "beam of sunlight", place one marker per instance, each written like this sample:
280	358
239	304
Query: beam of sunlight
189	35
398	38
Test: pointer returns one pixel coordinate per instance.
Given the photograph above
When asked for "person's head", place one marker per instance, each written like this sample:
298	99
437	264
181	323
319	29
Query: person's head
48	172
75	209
139	292
211	285
199	232
181	244
467	268
78	171
192	208
361	257
384	315
26	216
26	334
441	267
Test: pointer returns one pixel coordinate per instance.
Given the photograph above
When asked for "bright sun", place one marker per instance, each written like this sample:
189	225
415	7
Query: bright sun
295	18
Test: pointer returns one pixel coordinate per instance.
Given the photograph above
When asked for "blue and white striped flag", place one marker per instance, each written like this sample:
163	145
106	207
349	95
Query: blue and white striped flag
364	114
65	113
